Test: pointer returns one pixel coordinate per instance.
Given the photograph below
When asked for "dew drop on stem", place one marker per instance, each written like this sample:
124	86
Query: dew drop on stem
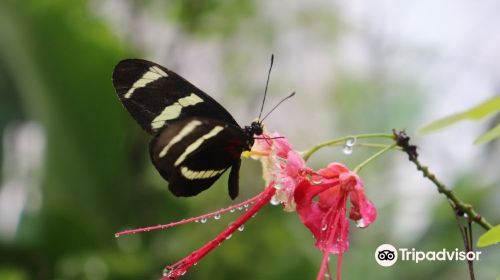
347	150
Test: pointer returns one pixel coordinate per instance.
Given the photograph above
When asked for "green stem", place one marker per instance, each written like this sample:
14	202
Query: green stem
374	145
374	156
307	154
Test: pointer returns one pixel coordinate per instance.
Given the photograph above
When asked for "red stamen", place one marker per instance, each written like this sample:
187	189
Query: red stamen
323	267
190	220
181	267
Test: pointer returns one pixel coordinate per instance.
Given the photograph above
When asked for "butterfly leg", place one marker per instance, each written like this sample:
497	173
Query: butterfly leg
233	182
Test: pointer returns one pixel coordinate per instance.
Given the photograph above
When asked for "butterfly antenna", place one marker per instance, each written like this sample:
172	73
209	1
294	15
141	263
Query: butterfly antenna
282	100
265	91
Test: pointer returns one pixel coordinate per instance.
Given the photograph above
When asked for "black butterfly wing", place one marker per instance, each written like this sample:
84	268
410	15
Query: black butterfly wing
157	97
193	153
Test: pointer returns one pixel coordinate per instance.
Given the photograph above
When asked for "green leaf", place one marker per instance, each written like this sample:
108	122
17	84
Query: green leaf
489	135
490	237
475	113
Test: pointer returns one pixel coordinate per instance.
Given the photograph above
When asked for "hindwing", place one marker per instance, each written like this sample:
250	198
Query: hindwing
194	152
157	97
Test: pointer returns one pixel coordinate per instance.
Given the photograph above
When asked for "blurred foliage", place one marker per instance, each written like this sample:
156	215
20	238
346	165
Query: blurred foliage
491	237
210	17
56	59
475	113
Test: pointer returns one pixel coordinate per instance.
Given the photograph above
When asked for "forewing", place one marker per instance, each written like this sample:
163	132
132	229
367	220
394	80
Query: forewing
157	97
193	153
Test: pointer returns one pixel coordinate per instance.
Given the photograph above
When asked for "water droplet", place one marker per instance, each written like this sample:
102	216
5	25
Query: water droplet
360	223
240	208
350	141
117	235
166	271
217	216
254	214
246	205
275	200
195	264
324	227
232	210
317	181
196	221
203	220
229	236
241	228
465	215
347	150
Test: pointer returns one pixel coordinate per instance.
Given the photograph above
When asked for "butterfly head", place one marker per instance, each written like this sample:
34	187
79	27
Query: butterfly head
255	128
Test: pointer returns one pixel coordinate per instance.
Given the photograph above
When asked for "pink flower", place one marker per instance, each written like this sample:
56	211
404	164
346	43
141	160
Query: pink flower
326	217
320	199
297	187
282	166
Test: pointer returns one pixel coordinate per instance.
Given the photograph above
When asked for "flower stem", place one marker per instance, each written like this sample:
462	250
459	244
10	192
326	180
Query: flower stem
181	267
458	205
374	156
375	145
307	154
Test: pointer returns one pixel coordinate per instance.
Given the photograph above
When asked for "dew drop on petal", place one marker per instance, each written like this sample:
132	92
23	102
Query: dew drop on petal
232	210
196	221
347	150
324	227
360	223
240	208
241	228
117	235
275	200
229	236
217	216
203	220
317	181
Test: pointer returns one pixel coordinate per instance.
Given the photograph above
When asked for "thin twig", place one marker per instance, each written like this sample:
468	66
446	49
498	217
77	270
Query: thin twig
465	238
404	142
470	247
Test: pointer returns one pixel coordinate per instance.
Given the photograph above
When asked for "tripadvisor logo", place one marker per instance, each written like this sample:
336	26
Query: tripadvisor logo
387	255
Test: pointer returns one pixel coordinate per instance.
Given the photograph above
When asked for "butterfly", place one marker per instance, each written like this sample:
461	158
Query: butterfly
195	139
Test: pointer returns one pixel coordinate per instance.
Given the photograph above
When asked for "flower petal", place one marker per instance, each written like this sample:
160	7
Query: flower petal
362	210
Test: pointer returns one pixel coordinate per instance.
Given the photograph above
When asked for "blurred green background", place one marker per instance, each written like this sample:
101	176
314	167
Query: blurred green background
75	168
